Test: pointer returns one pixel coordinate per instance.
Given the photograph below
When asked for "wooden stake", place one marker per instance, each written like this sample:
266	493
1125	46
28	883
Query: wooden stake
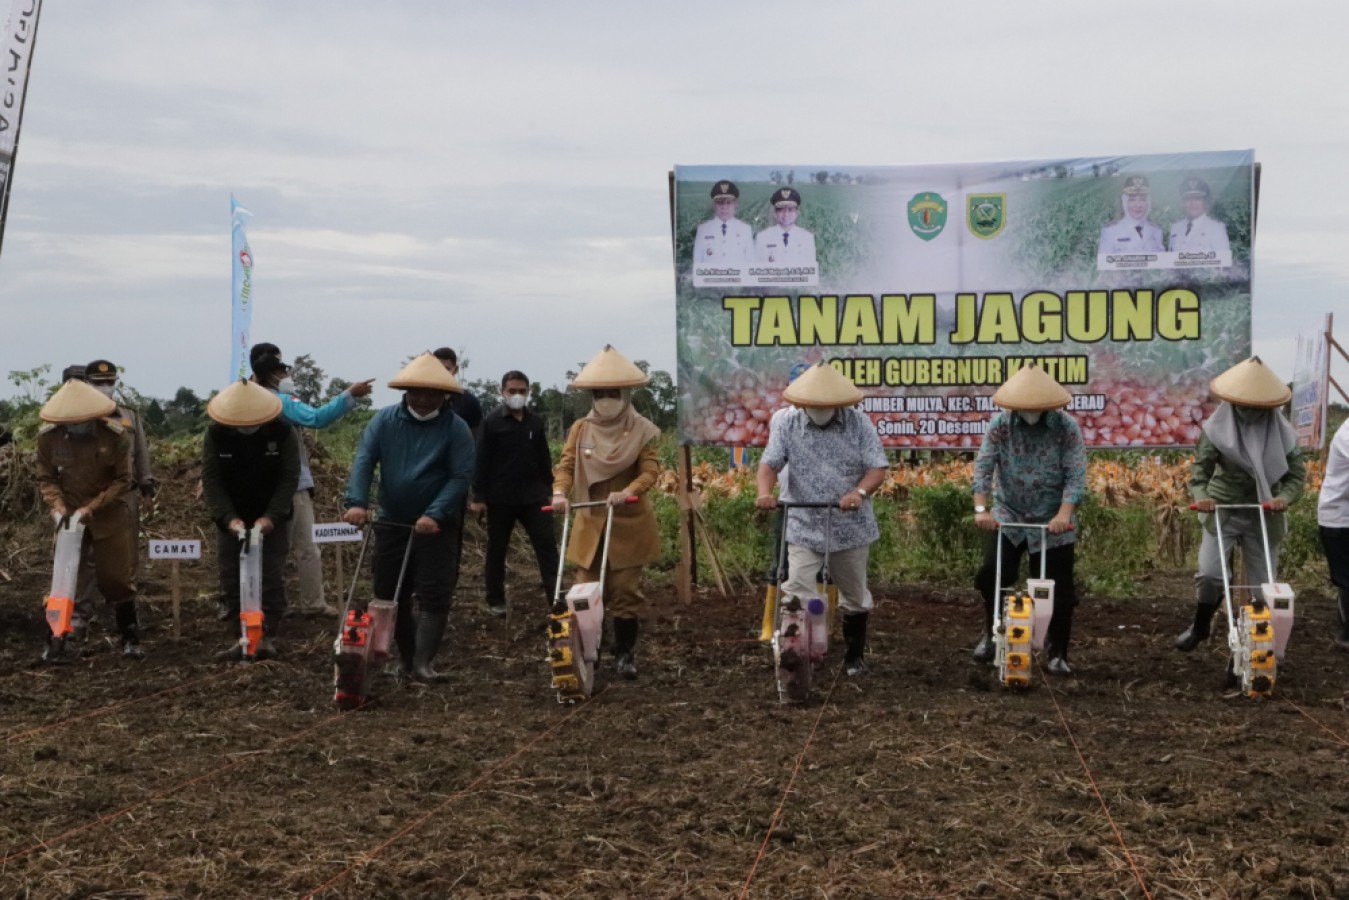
686	575
176	589
341	577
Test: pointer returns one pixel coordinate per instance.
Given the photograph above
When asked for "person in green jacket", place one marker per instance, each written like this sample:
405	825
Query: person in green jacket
1247	453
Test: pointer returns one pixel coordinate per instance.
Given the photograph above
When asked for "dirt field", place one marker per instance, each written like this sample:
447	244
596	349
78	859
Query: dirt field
923	780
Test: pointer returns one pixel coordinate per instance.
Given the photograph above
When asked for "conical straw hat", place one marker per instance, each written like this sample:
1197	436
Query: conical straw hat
822	386
1251	383
77	402
610	369
1031	388
243	405
426	372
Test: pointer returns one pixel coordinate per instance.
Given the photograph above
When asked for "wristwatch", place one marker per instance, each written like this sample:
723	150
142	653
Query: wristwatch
861	492
980	509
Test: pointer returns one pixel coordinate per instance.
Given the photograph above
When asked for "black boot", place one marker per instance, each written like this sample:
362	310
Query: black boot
1342	637
855	643
983	651
1209	596
625	647
430	629
126	627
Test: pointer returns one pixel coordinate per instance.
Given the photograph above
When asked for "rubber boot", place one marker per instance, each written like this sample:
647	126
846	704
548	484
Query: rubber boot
430	630
855	643
984	650
1342	637
1209	595
625	647
126	627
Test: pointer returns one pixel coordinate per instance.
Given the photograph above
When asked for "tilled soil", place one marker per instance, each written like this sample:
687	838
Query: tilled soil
925	779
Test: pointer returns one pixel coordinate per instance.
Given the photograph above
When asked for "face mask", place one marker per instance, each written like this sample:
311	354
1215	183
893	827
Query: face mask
105	389
249	429
423	418
821	417
516	402
1029	416
285	386
81	429
608	407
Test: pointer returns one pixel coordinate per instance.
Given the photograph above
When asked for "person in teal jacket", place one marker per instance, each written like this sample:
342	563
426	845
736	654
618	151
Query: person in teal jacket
425	456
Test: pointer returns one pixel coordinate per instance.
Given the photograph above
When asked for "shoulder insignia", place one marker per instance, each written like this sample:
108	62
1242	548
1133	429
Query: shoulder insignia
114	426
46	427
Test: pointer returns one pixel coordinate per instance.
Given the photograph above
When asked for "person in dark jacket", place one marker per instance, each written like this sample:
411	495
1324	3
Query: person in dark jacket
425	457
512	483
250	467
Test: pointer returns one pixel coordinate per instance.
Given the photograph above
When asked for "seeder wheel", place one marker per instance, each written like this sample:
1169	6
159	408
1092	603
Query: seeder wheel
573	676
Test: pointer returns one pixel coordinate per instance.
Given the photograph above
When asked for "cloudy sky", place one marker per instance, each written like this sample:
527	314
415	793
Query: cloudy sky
493	175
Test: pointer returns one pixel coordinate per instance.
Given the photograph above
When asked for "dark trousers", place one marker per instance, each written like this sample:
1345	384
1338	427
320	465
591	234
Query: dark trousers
432	570
275	548
1335	541
1059	563
501	519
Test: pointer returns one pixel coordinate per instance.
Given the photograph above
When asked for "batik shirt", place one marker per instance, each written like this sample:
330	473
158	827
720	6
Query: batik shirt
827	463
1039	467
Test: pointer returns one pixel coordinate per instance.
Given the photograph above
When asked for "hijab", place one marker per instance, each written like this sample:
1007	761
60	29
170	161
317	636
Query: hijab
607	446
1257	441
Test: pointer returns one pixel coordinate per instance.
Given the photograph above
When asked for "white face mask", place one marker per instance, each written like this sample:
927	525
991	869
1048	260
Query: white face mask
1030	417
105	389
423	418
248	429
516	402
821	417
608	407
285	386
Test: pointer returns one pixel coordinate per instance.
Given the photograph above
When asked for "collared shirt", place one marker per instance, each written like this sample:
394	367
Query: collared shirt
790	246
1038	467
1200	234
827	463
718	243
1333	509
1131	236
302	415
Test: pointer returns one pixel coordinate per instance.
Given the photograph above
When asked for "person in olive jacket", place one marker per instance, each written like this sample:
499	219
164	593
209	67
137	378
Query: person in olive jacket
250	470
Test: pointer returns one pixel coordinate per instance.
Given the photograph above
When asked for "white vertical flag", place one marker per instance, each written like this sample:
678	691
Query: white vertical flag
241	320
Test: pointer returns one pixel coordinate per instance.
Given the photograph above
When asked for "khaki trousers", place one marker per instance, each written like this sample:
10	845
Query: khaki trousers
305	553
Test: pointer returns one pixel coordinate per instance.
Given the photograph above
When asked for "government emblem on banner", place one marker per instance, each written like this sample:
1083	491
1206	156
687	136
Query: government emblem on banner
986	214
927	215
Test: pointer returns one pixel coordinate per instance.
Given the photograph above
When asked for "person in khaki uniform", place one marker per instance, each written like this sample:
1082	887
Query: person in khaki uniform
102	376
611	455
84	467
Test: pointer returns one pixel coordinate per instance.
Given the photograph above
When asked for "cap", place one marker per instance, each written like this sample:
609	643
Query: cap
1194	186
786	197
76	402
243	405
428	373
1137	184
822	386
609	369
1031	388
100	370
265	364
1251	383
725	190
69	372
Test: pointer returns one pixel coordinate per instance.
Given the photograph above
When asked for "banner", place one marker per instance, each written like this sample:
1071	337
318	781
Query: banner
1127	278
1311	386
241	320
16	60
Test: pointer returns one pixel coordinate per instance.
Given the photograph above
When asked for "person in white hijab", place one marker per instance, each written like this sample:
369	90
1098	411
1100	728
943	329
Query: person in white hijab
612	455
1133	232
1247	453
